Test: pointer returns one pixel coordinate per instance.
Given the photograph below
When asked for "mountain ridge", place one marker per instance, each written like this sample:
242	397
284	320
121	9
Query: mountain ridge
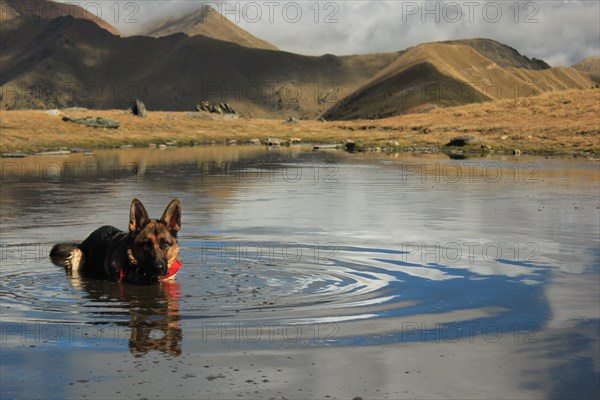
16	12
171	73
591	66
450	74
69	61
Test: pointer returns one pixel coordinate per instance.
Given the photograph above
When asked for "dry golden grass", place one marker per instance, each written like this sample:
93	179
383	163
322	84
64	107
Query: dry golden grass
565	122
452	74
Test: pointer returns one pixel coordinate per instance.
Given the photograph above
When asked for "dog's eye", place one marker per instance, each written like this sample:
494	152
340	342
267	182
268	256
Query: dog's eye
165	245
148	243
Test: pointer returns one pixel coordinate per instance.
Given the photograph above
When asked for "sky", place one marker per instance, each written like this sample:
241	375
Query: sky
559	32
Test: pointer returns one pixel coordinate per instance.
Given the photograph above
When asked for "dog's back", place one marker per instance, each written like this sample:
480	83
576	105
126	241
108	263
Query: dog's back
101	255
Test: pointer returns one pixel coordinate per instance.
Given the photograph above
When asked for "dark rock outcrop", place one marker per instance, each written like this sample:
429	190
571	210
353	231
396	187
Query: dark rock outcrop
221	108
139	109
461	141
94	122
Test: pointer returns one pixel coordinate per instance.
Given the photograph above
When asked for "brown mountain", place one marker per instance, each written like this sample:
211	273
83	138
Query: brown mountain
15	13
591	66
72	62
503	55
446	74
206	21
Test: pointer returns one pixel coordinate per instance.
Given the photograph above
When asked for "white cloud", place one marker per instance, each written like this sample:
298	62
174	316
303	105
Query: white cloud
560	32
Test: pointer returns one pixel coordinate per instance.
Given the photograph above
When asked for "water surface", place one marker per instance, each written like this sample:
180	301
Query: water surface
308	274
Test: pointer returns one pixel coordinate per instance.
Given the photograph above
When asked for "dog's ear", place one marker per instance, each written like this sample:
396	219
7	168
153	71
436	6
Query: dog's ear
138	216
172	217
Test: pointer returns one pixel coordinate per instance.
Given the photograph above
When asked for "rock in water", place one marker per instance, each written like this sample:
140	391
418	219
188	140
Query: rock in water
350	146
139	109
273	142
462	141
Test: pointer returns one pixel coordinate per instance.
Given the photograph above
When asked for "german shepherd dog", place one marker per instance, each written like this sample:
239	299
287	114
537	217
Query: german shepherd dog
146	254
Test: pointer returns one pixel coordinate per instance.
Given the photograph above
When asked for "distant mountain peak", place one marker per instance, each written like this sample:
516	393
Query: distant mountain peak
15	13
206	21
591	66
503	55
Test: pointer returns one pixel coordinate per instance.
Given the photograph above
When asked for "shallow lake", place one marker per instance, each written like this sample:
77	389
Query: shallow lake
308	274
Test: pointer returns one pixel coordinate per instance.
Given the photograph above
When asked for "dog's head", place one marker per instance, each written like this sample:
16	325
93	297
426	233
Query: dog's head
153	248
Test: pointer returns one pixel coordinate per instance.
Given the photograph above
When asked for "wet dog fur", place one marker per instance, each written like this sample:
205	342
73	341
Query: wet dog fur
143	255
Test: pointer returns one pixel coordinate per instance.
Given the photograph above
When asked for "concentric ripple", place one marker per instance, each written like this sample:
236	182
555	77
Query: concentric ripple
260	277
225	284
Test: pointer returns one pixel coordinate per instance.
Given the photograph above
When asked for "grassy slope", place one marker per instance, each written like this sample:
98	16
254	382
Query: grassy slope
553	123
591	66
442	74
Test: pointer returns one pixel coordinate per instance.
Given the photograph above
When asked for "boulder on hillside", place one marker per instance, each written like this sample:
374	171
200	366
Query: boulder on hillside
94	122
221	108
139	109
226	108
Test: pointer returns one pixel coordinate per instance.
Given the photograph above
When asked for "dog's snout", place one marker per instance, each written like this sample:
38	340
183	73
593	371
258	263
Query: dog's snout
161	268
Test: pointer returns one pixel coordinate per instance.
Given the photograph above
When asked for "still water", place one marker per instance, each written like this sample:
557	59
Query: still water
308	275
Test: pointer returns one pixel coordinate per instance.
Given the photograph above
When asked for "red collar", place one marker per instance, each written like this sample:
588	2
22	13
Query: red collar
172	271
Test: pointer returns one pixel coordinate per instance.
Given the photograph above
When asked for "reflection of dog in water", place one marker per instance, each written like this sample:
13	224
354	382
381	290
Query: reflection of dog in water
146	254
153	309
